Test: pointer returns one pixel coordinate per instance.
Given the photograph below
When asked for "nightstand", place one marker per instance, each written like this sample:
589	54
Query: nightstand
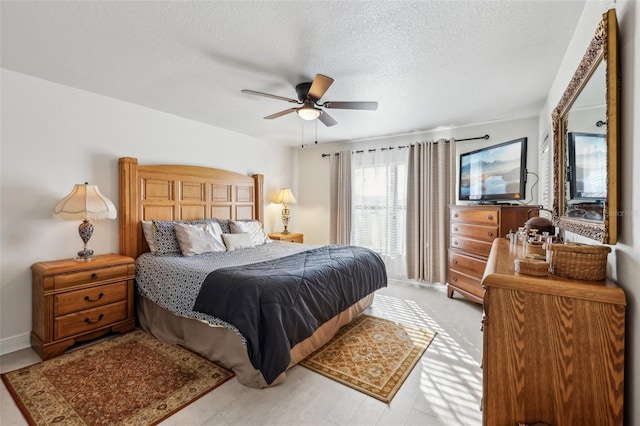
76	301
294	237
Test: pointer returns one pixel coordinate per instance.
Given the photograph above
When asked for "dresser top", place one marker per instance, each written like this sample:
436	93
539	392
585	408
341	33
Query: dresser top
500	272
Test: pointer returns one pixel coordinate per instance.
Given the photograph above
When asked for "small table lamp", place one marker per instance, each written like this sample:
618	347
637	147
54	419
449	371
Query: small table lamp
83	203
285	197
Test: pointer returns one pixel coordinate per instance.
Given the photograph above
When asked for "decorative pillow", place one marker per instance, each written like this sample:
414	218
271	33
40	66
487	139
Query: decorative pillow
224	225
199	238
251	227
165	235
147	229
237	241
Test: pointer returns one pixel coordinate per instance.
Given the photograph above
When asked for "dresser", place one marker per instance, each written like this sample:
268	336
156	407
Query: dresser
76	301
472	230
553	348
293	237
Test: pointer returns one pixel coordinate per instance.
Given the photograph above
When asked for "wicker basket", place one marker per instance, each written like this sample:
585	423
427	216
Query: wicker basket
538	268
578	261
535	249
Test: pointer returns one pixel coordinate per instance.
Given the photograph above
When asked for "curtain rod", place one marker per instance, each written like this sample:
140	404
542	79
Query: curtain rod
485	137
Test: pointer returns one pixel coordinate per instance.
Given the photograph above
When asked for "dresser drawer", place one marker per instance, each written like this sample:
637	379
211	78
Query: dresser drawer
483	217
83	321
480	232
87	298
464	282
471	246
469	265
63	281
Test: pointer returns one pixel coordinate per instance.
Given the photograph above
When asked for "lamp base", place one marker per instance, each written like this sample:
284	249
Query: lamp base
85	255
285	232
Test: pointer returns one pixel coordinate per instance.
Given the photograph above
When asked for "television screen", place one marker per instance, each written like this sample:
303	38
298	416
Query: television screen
587	166
494	173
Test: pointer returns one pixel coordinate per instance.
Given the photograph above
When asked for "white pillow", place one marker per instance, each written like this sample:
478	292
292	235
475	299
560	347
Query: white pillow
253	228
147	229
199	238
237	241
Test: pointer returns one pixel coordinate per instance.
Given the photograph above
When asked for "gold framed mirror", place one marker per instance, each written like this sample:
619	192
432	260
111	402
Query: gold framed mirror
585	141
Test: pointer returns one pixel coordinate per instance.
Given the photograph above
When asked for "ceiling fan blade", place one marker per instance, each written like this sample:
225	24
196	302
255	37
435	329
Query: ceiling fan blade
280	114
326	119
266	95
370	106
319	86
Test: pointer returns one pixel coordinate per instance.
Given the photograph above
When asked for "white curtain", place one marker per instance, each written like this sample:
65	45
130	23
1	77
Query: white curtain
431	189
379	188
340	198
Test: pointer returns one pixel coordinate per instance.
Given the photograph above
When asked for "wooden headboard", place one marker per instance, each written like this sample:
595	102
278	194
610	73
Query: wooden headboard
176	192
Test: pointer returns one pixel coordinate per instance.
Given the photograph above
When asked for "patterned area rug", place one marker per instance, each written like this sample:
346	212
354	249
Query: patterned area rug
372	355
130	379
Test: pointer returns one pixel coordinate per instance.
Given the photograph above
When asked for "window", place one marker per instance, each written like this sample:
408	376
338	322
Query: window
379	185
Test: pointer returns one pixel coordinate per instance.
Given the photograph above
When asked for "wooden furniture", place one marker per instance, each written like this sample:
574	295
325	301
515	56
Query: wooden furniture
75	301
294	237
553	347
473	229
175	192
179	192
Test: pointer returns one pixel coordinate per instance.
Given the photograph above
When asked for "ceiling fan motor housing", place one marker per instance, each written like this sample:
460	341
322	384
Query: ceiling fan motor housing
302	90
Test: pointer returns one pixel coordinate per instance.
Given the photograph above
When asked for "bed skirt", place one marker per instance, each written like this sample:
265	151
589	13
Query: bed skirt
225	347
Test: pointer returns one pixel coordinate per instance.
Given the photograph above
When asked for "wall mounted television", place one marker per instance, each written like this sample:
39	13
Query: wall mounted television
587	166
494	173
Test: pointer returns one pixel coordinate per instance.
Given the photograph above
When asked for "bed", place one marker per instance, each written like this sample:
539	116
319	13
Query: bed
190	193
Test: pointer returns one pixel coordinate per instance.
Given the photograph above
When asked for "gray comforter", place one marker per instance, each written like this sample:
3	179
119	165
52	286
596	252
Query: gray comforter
278	303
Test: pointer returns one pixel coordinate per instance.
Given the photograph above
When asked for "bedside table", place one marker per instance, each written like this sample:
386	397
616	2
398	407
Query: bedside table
294	237
76	301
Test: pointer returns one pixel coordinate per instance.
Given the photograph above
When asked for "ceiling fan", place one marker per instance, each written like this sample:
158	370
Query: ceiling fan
309	94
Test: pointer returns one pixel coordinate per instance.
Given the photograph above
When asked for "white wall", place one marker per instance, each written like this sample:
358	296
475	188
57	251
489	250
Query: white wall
54	136
624	262
313	181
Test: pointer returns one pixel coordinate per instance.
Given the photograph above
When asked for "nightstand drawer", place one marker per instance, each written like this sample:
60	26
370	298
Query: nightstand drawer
89	276
87	298
83	321
293	237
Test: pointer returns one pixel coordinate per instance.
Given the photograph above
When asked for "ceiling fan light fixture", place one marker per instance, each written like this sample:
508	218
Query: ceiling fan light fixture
308	111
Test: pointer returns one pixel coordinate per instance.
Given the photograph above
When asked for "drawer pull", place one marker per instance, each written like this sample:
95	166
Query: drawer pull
94	276
454	279
454	261
455	215
88	321
455	242
490	217
88	299
490	234
455	229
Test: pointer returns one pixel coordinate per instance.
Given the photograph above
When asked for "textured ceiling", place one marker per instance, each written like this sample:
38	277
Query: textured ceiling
429	64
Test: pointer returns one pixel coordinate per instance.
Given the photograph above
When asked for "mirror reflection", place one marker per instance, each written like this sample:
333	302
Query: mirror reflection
586	165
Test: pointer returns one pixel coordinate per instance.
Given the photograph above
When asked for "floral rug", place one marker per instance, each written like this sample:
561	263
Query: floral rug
372	355
129	379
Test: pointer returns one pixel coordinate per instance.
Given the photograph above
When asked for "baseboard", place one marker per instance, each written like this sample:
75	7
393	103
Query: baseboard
15	343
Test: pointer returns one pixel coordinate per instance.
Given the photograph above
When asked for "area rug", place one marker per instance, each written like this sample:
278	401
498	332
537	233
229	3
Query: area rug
372	355
129	379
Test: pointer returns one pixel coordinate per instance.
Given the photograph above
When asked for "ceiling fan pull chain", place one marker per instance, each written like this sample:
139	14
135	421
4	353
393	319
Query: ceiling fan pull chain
302	127
316	132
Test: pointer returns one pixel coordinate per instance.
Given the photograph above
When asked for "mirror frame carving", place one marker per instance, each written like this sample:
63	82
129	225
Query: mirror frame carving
603	46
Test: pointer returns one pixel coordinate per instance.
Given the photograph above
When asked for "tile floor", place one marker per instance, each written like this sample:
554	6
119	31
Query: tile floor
444	388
